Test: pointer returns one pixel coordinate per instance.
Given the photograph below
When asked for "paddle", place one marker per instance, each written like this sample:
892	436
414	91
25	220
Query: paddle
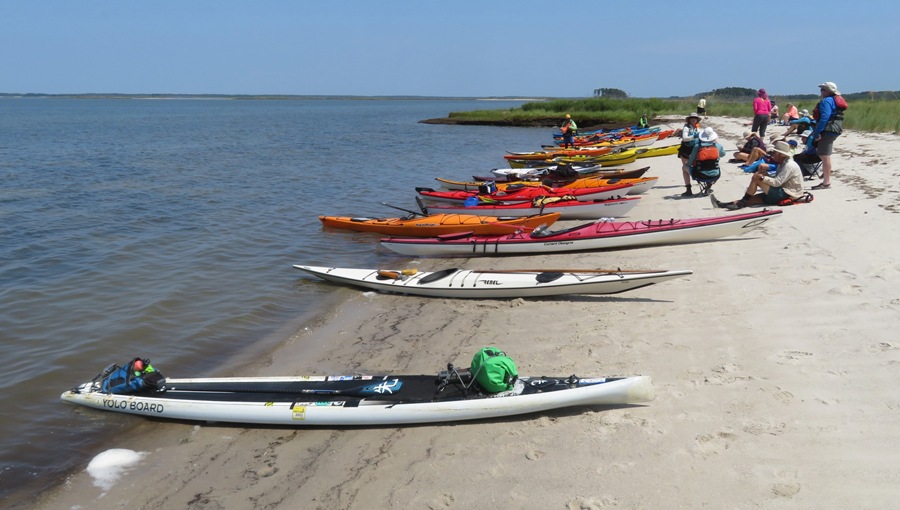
405	210
380	388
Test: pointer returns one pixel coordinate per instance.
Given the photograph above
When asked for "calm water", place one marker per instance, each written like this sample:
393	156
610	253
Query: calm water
167	229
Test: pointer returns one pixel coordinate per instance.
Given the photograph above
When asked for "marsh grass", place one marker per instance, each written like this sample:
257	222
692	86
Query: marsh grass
873	115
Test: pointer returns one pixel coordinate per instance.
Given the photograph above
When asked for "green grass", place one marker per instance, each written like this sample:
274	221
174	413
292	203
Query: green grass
873	115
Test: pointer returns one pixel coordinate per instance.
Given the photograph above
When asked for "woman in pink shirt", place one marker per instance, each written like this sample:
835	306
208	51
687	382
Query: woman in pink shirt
762	107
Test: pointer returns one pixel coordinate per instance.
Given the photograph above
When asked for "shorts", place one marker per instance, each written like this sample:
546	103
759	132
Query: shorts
775	196
826	144
684	151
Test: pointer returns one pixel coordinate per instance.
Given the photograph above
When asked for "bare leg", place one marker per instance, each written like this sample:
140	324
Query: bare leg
826	169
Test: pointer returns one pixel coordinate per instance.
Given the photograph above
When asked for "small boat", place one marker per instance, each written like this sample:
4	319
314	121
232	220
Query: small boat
611	159
568	209
357	400
638	185
498	284
556	152
438	224
525	194
597	235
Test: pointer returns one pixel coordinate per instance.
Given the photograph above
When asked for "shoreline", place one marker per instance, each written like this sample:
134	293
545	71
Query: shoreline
763	362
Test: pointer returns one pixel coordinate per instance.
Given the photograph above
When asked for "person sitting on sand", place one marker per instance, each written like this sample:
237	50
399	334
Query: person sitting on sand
791	114
752	141
786	183
800	124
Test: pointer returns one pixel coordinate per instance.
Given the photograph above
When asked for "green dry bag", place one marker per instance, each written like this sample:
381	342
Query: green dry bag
494	370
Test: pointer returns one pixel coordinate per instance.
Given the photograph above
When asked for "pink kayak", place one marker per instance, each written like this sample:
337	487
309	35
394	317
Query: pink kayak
597	235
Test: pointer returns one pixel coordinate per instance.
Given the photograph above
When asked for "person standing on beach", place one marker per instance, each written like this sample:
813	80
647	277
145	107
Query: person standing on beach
568	128
689	134
762	108
701	106
829	115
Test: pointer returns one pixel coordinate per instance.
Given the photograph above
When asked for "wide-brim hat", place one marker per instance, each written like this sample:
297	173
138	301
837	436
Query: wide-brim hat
708	135
693	115
804	112
782	148
830	87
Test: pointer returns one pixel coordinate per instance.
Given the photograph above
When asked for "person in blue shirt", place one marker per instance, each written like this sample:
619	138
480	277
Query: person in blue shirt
829	125
799	124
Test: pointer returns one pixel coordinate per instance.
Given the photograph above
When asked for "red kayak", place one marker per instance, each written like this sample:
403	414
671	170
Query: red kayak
524	194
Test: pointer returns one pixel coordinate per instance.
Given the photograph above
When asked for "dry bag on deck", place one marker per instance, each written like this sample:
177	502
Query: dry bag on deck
494	370
137	375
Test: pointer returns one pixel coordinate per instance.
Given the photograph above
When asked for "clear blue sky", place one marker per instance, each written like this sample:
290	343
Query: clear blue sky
446	48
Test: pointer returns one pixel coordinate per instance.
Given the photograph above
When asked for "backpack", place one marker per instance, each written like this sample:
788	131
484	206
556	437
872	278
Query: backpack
494	370
708	153
122	380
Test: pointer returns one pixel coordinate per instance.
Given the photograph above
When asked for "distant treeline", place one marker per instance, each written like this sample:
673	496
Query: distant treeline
743	94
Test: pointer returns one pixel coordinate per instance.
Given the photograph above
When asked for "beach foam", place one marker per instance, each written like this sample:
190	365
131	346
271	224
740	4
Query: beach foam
107	467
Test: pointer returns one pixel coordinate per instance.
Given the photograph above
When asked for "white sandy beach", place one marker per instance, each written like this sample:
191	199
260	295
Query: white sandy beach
775	365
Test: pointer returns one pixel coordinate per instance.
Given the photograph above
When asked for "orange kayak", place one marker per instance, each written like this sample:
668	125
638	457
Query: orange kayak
440	224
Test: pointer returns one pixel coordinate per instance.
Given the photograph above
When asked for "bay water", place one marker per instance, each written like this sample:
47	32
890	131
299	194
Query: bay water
167	229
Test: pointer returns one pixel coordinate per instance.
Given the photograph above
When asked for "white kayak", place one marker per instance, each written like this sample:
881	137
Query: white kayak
358	399
464	283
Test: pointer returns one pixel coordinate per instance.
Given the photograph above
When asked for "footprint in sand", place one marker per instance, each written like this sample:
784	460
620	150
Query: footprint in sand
792	356
443	501
707	445
783	396
786	490
592	503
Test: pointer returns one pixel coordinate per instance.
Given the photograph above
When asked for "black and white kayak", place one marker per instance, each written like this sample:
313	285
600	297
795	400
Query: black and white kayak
359	399
515	283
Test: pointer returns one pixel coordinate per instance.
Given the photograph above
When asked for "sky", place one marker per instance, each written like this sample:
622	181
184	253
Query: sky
457	48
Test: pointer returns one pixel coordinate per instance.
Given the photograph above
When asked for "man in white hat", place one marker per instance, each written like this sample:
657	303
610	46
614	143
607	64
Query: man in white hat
787	183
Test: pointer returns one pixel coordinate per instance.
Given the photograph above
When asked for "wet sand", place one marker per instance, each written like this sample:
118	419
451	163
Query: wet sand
775	368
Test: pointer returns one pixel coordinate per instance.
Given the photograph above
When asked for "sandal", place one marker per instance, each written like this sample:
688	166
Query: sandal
822	185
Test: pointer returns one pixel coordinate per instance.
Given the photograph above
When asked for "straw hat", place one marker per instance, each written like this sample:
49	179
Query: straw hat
748	134
708	135
830	87
782	148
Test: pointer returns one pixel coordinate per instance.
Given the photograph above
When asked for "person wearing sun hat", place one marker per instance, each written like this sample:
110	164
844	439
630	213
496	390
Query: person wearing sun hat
689	134
699	167
829	115
787	183
762	108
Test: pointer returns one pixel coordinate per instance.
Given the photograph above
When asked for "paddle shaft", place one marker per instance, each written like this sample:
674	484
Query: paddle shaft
402	209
